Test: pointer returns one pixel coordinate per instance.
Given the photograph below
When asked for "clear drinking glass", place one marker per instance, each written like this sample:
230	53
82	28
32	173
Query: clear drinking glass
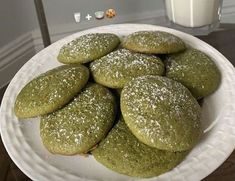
194	16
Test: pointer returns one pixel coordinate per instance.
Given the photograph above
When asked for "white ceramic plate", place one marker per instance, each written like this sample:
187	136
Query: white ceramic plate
22	140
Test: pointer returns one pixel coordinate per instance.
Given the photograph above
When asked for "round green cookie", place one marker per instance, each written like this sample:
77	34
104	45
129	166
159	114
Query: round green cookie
156	42
119	67
195	70
122	152
81	124
161	113
88	47
50	91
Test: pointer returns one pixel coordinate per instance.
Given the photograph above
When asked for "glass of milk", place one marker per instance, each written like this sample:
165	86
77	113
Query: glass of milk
197	16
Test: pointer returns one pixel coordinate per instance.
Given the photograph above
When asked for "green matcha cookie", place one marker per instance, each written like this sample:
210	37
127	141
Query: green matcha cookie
50	91
80	125
161	113
88	47
122	152
157	42
119	67
195	70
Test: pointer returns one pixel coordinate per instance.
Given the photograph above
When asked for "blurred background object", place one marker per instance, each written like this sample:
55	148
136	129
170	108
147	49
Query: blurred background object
42	22
194	13
194	16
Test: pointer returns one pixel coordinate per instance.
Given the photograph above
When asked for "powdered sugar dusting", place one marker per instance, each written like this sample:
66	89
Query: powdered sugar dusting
120	66
50	90
161	112
153	42
195	70
81	124
88	47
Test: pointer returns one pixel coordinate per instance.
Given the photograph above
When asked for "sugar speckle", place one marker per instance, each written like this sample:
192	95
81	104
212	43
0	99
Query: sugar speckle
151	106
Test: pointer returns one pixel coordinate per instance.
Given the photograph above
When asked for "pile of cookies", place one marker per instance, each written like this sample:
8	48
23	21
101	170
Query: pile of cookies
131	103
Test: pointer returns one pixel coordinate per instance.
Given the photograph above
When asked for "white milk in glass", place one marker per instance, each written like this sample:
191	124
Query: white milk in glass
193	13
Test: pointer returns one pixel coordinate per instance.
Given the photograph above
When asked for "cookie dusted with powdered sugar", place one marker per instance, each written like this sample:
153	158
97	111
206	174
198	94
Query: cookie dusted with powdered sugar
154	42
50	91
119	67
195	70
161	113
88	47
122	152
81	124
